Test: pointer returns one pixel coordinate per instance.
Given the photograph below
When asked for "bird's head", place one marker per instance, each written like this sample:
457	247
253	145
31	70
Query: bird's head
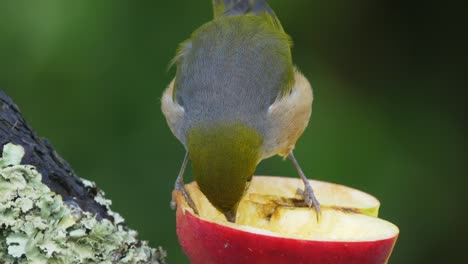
224	158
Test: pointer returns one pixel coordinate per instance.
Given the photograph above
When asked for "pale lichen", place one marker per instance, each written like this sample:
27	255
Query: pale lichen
37	227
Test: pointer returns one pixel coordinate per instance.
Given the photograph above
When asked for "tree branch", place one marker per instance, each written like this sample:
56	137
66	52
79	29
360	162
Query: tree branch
48	213
56	172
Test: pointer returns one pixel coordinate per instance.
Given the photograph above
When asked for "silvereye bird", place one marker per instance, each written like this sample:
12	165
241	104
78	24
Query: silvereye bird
236	99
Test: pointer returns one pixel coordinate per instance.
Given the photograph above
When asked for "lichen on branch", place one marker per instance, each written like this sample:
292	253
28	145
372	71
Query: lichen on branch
38	227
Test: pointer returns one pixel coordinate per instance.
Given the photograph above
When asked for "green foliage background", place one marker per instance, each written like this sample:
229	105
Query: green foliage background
389	111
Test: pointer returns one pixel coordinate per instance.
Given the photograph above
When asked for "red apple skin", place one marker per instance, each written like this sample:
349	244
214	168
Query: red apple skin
206	242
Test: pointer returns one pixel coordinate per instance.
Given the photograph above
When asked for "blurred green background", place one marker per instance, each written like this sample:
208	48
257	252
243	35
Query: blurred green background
389	112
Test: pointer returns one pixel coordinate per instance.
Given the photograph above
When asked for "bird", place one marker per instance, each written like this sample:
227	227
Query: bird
236	99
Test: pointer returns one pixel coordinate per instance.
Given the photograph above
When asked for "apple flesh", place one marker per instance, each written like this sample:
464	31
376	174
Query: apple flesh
274	226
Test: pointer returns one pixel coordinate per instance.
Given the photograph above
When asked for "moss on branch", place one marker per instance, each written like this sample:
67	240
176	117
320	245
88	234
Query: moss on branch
37	226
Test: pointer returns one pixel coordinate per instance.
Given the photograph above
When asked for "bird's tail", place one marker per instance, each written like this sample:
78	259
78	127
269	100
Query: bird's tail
240	7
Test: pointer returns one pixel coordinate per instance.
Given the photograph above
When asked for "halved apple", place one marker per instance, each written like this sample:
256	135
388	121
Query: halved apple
274	226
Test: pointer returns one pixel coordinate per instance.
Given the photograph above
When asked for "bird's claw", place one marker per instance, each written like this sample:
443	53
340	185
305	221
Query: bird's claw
187	197
309	199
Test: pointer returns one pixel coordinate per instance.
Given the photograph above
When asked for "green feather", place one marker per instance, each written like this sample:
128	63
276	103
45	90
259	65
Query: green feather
219	7
224	158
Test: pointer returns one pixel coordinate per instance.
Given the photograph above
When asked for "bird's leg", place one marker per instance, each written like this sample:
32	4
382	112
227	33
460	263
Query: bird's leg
308	192
179	186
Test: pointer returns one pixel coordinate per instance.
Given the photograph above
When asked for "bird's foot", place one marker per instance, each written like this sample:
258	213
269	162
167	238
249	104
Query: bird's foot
180	187
310	199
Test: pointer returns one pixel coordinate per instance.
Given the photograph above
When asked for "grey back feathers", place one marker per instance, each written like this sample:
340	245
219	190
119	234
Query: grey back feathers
231	70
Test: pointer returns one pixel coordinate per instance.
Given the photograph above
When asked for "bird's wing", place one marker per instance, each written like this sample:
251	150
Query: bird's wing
173	112
289	116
